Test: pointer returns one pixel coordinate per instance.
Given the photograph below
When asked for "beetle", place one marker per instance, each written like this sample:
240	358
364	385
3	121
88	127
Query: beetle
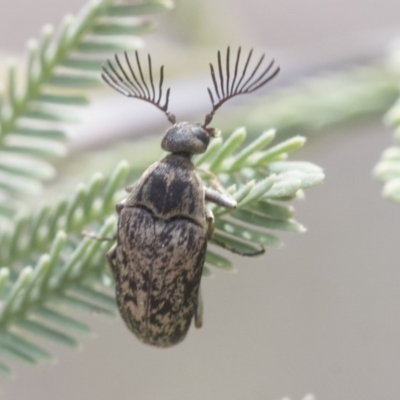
164	224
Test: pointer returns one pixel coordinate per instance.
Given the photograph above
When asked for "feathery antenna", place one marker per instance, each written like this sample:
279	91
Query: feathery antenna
131	84
225	88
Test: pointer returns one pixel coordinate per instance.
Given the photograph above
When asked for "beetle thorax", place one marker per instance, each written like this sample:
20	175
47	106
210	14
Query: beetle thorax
184	137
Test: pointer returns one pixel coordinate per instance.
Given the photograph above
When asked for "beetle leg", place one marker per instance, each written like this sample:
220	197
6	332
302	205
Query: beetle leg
233	250
210	236
198	312
119	206
214	181
218	196
210	223
221	199
111	256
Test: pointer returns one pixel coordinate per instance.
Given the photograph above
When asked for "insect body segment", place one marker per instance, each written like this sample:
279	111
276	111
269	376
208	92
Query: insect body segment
164	224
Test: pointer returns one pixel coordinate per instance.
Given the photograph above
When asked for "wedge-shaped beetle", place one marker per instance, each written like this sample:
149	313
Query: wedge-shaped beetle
164	224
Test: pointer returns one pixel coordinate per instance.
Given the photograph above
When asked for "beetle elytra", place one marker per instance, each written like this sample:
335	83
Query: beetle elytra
164	224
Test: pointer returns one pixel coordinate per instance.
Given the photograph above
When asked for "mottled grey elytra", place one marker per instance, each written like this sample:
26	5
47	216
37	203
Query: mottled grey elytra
164	224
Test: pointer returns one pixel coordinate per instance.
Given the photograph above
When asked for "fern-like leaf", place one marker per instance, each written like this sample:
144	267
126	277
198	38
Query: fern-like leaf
39	286
61	67
388	168
37	301
316	103
262	181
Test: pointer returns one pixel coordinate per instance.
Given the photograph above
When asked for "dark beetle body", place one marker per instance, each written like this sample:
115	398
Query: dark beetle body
162	227
164	224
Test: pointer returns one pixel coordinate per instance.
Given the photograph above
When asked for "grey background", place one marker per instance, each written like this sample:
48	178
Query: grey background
321	314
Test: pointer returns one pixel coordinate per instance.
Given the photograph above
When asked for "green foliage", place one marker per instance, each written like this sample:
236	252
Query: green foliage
388	168
49	272
61	68
48	269
314	104
37	299
262	181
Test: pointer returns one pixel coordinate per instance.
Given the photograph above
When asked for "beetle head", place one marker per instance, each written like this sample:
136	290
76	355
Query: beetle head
184	137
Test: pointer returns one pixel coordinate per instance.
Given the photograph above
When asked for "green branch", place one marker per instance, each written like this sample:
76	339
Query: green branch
262	181
70	273
57	78
312	105
388	168
67	275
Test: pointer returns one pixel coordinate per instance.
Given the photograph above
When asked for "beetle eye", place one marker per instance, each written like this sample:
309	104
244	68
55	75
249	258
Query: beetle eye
201	135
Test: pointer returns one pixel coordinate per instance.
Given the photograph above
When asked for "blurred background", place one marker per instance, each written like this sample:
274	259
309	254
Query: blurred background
319	315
